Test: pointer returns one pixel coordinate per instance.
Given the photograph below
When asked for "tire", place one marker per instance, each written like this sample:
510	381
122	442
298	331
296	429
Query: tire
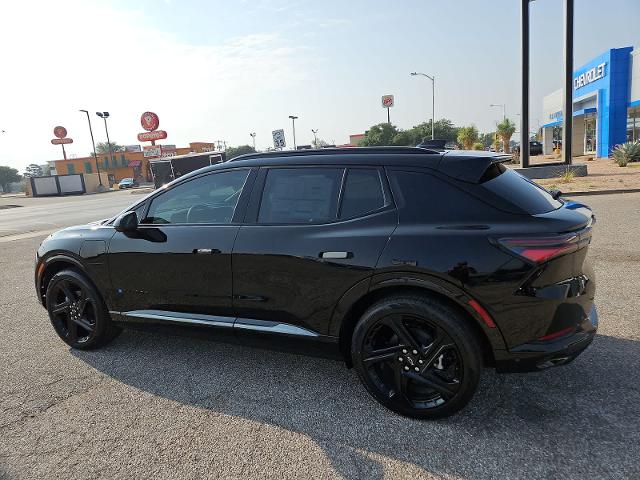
417	356
77	311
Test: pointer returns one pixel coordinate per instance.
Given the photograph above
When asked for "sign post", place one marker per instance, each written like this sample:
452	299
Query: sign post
61	139
150	122
387	102
278	139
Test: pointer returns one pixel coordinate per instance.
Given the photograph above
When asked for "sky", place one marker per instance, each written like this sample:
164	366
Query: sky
218	70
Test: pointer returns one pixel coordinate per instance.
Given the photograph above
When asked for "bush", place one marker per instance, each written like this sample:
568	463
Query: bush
626	152
478	146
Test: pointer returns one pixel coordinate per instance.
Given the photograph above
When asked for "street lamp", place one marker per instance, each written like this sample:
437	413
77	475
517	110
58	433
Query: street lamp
104	116
293	122
433	100
504	109
315	137
95	155
253	137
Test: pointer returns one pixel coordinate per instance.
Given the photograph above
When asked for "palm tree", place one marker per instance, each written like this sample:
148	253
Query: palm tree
103	147
467	136
505	129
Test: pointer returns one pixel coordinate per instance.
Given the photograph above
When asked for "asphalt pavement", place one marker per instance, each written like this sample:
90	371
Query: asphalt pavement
151	406
24	217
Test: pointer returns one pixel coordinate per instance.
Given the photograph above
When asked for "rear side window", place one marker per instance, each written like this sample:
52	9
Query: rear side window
520	191
421	197
300	195
362	193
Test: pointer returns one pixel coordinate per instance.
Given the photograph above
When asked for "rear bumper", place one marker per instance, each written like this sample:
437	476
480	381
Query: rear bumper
534	357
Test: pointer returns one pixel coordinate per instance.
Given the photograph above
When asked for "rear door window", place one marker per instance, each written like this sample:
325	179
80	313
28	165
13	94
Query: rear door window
300	195
421	197
363	193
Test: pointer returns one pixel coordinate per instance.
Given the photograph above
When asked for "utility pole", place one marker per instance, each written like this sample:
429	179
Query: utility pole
293	122
315	137
95	155
104	116
567	108
524	109
433	101
253	137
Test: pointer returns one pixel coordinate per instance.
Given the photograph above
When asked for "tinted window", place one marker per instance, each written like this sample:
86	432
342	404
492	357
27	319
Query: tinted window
300	195
422	197
209	199
521	192
362	193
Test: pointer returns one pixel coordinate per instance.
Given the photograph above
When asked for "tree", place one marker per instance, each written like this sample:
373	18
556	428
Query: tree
379	135
467	136
319	143
103	147
505	129
444	129
33	170
8	176
487	139
233	152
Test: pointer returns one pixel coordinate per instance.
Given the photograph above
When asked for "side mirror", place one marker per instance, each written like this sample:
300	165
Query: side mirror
556	194
127	222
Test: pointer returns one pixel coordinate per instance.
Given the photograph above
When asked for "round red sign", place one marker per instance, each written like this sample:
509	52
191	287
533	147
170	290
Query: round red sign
60	132
149	121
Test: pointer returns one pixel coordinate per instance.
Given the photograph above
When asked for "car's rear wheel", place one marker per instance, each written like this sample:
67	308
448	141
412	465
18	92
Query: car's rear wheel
417	356
77	311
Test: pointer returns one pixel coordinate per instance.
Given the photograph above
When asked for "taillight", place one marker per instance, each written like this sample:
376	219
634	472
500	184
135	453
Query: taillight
542	249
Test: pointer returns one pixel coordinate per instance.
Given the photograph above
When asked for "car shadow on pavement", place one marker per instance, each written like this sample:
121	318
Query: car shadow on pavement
580	418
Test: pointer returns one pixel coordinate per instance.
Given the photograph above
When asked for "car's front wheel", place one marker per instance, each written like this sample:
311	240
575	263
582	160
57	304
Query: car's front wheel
77	311
417	356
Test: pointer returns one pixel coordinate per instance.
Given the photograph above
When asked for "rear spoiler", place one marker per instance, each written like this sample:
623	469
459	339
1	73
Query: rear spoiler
468	166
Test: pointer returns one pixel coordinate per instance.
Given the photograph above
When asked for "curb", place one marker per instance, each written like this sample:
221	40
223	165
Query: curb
601	192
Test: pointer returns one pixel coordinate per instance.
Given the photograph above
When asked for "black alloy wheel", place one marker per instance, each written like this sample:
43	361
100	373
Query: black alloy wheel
77	312
417	356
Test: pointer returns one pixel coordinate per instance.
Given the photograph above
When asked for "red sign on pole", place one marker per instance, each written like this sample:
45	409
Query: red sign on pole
61	141
152	136
149	121
60	132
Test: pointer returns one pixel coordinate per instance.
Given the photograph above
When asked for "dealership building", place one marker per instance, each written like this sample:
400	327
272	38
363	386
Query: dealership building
606	105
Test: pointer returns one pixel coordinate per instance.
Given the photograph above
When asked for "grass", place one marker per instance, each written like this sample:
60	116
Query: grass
567	176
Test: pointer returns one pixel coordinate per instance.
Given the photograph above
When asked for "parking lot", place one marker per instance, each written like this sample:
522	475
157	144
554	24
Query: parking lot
151	406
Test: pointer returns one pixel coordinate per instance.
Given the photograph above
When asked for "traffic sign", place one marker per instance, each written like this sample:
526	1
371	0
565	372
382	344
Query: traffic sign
278	139
387	101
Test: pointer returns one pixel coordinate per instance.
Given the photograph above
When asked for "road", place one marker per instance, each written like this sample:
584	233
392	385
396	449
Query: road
150	406
35	216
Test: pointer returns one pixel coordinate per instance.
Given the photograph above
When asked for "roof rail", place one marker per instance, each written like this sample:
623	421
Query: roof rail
338	150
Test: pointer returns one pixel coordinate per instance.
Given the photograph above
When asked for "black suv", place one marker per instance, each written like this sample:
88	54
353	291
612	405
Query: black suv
416	267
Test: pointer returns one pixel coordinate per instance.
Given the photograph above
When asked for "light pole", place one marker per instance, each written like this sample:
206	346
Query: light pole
253	137
95	155
504	109
293	122
315	137
104	116
433	100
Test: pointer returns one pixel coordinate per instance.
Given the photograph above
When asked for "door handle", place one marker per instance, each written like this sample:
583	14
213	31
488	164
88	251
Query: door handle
335	255
206	251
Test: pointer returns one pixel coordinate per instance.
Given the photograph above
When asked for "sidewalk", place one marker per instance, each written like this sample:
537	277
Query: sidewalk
604	175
